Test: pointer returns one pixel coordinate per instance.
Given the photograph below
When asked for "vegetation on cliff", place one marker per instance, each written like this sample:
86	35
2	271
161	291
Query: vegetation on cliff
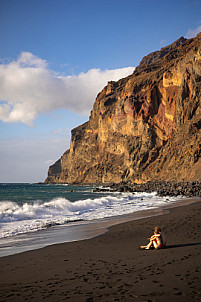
143	127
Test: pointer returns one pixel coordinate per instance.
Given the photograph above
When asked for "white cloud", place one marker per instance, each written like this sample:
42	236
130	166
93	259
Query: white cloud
60	132
28	88
28	59
162	42
192	33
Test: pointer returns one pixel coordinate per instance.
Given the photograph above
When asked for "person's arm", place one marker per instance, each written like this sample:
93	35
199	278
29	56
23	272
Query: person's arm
152	237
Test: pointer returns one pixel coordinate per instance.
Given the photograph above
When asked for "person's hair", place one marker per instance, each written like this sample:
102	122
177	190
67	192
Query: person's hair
157	229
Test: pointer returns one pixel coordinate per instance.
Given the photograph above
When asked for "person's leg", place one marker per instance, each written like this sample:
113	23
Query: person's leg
155	244
149	245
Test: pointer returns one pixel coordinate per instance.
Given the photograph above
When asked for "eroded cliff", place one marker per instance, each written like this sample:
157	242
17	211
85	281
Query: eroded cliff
143	127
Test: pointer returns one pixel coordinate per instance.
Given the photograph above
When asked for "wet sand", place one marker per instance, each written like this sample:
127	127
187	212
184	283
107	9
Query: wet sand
111	267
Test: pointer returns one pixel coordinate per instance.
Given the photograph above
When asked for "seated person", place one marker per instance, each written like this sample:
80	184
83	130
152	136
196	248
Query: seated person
163	237
157	241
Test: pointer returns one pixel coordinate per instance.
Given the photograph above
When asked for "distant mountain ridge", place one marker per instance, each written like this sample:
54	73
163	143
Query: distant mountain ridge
144	127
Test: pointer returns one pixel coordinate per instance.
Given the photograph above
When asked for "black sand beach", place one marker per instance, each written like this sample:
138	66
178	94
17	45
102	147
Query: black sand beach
111	267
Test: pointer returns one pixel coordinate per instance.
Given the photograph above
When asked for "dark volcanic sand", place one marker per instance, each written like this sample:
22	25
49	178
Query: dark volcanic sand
111	267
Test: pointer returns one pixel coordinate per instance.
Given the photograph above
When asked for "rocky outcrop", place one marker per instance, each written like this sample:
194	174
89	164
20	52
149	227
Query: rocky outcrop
163	188
144	127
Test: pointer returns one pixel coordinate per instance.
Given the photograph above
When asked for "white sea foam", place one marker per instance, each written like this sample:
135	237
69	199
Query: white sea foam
29	217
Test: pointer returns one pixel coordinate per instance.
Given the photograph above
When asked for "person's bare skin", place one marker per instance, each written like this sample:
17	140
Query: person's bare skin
155	241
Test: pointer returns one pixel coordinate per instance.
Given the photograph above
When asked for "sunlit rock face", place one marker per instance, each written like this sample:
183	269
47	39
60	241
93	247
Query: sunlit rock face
143	127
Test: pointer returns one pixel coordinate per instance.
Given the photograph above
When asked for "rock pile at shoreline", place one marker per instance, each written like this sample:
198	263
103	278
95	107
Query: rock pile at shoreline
163	188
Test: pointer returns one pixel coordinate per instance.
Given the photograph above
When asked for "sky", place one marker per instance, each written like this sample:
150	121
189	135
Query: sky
57	55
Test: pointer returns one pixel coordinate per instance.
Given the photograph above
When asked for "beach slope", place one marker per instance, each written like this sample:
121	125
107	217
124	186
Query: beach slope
111	267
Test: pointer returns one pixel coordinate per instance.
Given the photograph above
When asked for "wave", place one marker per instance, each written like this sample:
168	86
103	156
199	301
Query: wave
29	217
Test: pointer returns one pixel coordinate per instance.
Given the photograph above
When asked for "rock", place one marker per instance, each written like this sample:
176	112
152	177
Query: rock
162	188
144	127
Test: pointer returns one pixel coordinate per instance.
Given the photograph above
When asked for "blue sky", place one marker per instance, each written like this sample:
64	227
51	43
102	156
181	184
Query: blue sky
56	55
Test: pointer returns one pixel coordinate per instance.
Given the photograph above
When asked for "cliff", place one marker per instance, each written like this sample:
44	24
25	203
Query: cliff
143	127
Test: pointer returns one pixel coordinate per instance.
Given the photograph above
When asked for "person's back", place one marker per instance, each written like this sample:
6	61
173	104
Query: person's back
163	238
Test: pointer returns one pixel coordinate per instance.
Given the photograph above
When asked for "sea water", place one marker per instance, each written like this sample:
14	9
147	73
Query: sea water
35	215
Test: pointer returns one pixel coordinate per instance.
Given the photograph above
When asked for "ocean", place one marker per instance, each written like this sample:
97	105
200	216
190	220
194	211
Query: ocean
36	215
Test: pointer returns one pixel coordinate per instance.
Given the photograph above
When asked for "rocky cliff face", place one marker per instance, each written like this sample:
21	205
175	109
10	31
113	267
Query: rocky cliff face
144	127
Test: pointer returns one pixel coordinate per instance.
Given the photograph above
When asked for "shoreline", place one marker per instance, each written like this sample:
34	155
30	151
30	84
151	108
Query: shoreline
163	188
110	267
82	230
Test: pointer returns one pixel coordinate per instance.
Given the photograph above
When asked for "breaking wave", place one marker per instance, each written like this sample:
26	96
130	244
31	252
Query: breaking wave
29	217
